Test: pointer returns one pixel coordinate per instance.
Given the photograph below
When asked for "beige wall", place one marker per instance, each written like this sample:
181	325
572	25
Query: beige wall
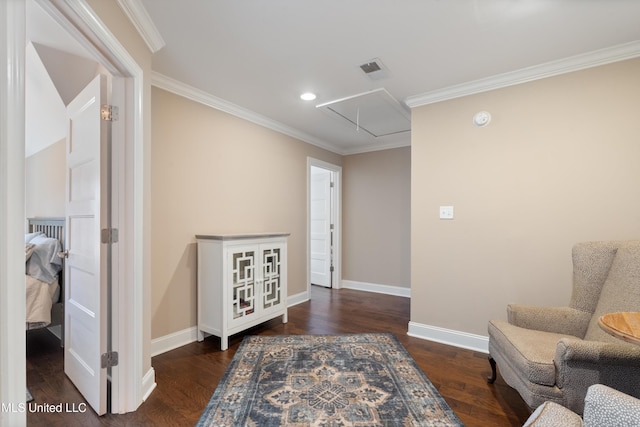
558	164
376	217
215	173
45	182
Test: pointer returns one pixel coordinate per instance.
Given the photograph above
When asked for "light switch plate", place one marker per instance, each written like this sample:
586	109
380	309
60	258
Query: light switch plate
446	212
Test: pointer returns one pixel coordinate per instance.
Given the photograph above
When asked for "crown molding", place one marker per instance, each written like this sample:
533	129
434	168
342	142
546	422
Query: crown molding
549	69
174	86
376	147
139	17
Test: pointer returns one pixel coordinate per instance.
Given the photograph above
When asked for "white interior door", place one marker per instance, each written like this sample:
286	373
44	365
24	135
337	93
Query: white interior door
85	268
320	227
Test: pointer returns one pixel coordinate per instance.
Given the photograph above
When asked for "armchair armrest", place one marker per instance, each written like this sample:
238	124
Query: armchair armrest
606	406
580	364
559	320
551	414
601	354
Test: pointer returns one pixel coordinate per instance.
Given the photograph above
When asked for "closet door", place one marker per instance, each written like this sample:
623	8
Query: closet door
85	267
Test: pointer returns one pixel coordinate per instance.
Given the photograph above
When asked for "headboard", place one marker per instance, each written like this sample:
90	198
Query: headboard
52	227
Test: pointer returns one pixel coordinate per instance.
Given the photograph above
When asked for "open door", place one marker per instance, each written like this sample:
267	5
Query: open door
87	203
320	227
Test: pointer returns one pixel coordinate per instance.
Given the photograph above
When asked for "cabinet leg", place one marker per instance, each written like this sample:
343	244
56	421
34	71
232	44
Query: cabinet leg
494	374
224	342
285	317
200	336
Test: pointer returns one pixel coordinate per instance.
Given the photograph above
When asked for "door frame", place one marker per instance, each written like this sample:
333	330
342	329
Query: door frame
12	151
130	385
336	276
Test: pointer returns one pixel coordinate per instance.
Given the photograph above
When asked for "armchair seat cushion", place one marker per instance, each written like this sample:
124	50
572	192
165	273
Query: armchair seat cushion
529	352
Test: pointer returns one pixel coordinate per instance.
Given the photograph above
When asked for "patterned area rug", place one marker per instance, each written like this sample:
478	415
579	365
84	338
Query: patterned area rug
321	380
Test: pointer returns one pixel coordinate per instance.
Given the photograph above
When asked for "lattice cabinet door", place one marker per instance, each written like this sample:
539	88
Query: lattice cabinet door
271	283
243	282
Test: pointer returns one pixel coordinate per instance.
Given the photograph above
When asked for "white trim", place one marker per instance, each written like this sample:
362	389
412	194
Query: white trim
379	289
139	17
567	65
148	383
337	227
174	340
450	337
174	86
297	298
187	336
81	22
12	214
379	146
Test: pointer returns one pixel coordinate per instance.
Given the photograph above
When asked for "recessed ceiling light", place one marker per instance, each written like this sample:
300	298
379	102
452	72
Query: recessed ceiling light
308	96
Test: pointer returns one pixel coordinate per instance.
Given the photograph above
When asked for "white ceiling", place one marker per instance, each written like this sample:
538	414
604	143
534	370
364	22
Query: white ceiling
261	55
254	58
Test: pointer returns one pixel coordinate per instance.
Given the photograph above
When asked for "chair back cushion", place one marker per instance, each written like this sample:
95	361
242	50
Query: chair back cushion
621	289
591	264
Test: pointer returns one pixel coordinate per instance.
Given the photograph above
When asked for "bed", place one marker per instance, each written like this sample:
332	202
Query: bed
44	241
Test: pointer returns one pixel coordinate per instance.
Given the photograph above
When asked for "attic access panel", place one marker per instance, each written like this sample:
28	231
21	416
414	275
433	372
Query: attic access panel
375	112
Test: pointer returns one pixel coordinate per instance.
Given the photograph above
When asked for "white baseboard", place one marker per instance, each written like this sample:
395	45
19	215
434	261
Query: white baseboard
56	330
148	383
431	333
186	336
379	289
450	337
172	341
297	298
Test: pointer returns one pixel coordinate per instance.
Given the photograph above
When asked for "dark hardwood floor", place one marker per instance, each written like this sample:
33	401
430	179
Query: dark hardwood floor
186	377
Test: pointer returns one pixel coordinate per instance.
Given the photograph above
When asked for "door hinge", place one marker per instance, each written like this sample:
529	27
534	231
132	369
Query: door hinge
109	359
331	185
109	235
109	113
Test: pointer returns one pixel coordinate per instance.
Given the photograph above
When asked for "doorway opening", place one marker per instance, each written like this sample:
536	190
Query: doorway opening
323	224
129	385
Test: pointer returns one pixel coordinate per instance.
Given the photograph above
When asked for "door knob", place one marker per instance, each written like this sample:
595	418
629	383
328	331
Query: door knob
63	254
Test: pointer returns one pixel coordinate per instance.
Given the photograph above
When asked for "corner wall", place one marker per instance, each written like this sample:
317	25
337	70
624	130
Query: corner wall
45	181
376	220
558	164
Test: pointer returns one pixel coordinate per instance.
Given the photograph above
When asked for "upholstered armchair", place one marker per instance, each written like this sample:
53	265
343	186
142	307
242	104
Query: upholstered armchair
603	406
555	353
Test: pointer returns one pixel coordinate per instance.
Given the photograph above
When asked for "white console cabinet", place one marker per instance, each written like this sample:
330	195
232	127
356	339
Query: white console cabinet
242	281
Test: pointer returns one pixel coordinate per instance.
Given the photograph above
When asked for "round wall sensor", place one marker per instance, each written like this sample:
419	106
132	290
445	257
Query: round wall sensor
481	119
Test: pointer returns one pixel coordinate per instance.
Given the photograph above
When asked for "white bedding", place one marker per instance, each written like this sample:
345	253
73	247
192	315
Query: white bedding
42	288
40	297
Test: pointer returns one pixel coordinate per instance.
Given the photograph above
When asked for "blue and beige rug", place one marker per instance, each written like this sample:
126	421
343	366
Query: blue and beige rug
322	380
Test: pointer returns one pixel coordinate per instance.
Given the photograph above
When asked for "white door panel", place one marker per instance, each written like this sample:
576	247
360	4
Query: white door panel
85	278
320	227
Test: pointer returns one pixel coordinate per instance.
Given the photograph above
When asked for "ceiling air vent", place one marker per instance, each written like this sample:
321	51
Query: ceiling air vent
370	67
376	113
375	69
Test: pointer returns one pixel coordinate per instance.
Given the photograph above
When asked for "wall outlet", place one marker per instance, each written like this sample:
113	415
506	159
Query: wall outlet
446	212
